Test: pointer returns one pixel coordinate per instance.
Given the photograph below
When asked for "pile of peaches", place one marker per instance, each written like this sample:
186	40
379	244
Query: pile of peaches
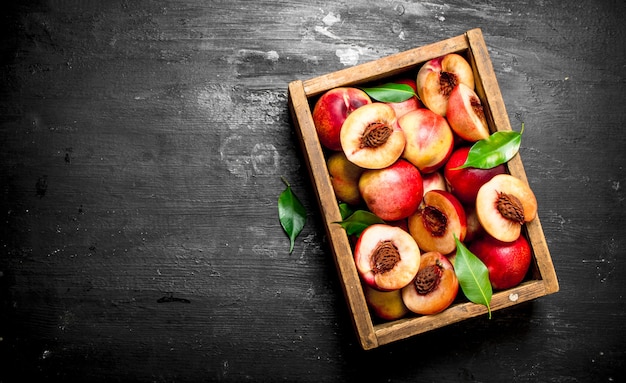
402	162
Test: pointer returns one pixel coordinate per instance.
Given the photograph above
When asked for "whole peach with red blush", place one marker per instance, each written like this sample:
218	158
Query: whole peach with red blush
464	183
394	192
507	262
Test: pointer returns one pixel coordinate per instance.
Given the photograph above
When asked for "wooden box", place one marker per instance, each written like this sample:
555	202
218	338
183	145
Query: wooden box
372	333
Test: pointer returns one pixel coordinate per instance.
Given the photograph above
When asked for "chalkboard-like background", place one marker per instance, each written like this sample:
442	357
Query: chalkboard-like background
141	149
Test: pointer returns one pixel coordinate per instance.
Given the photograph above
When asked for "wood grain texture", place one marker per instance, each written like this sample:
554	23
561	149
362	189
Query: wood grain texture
141	149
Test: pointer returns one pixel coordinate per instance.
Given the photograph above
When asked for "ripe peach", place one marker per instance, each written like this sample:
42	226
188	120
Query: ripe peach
386	305
402	108
437	221
429	139
437	77
332	109
464	183
386	257
394	192
503	205
435	286
507	262
344	176
371	137
466	115
474	228
434	181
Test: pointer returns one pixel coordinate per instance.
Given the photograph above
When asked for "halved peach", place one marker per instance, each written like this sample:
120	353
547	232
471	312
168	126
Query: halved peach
503	205
371	137
437	221
437	77
435	286
466	115
332	109
386	257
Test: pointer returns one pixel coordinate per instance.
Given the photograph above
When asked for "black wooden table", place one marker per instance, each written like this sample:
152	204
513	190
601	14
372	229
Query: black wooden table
142	145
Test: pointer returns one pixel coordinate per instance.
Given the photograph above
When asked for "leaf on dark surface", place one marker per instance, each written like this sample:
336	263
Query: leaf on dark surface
291	213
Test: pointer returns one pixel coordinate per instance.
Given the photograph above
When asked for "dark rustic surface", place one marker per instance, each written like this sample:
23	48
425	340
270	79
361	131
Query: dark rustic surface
142	145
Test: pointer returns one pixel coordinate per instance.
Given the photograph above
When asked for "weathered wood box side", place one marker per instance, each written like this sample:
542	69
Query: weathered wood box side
541	279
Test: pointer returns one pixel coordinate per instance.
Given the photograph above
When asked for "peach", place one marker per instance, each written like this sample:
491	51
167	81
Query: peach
434	181
474	228
344	176
402	108
507	262
435	286
503	205
466	115
394	192
386	257
437	221
437	77
429	139
464	183
332	109
387	305
371	137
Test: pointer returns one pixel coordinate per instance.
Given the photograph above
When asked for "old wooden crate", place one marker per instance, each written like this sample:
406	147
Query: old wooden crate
371	333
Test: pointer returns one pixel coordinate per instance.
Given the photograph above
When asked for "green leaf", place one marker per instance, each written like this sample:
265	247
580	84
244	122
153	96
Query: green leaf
497	149
473	276
390	92
359	221
291	213
345	210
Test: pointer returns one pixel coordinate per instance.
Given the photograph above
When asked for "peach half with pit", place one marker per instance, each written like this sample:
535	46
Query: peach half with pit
435	286
387	305
332	109
466	114
503	205
344	176
507	262
394	192
434	225
386	257
371	137
429	139
438	77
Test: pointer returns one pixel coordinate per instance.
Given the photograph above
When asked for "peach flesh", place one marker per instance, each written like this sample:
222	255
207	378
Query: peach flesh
435	286
437	77
440	218
332	109
371	137
466	115
387	257
489	211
